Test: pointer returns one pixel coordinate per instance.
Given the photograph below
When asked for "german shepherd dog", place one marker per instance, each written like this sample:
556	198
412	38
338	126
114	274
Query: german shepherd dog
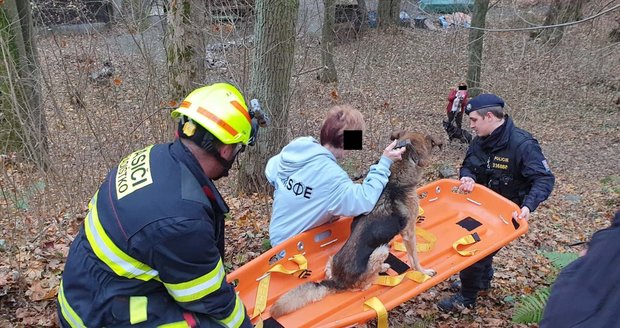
360	260
456	133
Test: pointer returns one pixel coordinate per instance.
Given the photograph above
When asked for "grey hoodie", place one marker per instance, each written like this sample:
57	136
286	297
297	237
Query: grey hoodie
311	188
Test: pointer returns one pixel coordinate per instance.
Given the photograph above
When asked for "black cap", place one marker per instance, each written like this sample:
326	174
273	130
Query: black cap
483	101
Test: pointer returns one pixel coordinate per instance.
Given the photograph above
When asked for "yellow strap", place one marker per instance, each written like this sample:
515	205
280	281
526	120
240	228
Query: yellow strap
137	309
420	247
429	237
261	296
375	304
263	286
399	246
420	211
391	281
297	258
467	240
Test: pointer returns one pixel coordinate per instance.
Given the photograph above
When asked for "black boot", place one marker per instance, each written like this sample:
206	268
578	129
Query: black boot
485	291
456	302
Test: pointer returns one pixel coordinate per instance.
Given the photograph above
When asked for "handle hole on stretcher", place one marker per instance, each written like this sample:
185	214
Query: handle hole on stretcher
322	236
423	195
235	283
515	224
281	254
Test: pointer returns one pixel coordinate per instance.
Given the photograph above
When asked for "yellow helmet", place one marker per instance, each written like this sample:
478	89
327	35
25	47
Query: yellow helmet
221	110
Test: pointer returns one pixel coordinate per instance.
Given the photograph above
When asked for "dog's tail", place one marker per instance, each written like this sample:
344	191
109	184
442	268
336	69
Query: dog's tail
301	296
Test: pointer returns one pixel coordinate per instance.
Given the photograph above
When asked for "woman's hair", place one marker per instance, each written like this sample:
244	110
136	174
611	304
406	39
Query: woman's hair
340	118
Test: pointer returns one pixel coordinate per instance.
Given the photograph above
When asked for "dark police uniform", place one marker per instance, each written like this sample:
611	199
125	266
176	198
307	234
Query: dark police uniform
587	292
510	162
151	248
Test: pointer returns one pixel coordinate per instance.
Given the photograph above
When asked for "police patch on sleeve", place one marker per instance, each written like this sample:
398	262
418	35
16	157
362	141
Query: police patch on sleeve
134	172
546	165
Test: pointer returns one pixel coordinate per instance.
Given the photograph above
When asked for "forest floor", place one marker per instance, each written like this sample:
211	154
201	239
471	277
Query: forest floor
565	95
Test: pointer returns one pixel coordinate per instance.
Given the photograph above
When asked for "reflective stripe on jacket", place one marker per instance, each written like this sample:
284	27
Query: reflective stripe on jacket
150	251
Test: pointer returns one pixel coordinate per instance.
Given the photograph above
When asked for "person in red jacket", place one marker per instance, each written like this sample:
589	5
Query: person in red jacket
457	100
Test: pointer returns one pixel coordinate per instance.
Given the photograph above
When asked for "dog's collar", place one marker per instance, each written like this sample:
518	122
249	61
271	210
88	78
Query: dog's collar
402	143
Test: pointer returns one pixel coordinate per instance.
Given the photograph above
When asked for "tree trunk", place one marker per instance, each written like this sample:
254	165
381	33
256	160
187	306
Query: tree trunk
388	12
135	13
328	73
614	34
23	126
362	13
185	46
476	38
560	11
274	37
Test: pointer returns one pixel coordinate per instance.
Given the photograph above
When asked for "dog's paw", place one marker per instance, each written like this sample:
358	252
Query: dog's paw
429	272
384	267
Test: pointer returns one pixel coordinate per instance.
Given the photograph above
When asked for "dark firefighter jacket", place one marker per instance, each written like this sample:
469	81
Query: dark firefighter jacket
587	291
150	251
510	162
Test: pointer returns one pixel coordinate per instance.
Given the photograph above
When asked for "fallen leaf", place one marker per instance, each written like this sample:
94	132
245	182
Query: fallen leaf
334	95
42	295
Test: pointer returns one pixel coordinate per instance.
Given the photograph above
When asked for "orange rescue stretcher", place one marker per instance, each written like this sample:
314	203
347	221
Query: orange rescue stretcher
455	231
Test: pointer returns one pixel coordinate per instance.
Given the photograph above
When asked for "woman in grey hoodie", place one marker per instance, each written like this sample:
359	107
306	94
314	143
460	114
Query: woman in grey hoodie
311	188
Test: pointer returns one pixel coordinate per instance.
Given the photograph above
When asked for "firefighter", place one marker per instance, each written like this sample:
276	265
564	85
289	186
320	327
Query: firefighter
509	161
151	250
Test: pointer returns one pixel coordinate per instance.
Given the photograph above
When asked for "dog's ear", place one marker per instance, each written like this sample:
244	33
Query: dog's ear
432	141
420	155
420	150
397	134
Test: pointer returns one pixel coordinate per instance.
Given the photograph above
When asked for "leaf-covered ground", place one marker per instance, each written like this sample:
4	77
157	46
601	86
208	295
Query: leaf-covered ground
565	95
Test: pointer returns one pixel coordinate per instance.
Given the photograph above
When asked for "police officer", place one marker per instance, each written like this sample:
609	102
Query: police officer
509	161
151	248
